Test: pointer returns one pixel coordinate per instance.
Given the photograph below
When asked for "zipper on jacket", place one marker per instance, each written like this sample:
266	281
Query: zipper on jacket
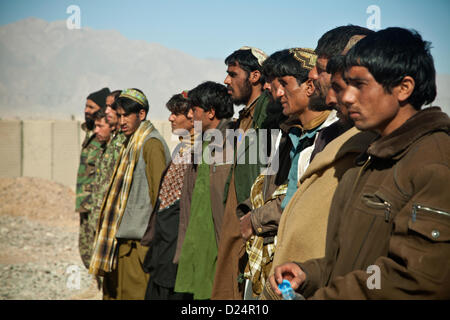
420	207
387	211
382	204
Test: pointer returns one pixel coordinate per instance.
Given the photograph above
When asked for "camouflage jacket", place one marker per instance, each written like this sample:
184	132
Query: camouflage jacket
105	165
90	150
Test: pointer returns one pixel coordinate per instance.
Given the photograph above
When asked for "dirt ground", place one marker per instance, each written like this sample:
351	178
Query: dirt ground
39	241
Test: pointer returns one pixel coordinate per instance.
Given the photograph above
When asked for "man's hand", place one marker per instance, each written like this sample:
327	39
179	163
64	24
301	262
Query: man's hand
289	271
246	226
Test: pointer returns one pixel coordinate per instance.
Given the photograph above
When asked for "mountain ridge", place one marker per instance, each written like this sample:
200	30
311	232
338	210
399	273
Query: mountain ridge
47	70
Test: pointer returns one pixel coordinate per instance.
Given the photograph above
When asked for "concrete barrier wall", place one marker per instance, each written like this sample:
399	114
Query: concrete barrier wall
10	148
37	149
66	154
48	149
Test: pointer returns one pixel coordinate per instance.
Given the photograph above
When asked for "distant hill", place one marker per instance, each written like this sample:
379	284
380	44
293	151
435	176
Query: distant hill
47	70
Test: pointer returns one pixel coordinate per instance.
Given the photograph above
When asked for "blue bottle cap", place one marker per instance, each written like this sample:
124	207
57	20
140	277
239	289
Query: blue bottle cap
286	290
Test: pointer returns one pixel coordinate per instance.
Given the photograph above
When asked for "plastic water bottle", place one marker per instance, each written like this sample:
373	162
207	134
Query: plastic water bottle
288	293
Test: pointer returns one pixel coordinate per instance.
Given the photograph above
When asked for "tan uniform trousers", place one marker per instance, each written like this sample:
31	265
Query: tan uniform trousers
128	281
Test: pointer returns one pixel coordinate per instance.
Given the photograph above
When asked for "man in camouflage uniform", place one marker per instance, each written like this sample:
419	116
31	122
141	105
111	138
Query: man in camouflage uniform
110	144
90	151
105	164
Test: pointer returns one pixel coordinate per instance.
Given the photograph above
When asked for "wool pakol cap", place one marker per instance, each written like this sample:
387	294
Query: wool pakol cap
99	97
305	56
135	95
260	55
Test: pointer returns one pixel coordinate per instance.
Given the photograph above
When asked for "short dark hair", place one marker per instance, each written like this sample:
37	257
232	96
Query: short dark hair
212	95
246	60
130	106
114	105
286	65
115	93
333	42
268	67
178	104
100	114
336	64
393	53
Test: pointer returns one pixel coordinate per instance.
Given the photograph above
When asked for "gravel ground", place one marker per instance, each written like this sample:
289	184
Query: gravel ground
39	257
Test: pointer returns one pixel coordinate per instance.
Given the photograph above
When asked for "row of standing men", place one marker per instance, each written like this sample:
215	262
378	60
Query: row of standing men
340	194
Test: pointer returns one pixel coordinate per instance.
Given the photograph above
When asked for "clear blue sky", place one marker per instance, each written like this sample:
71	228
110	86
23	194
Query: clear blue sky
213	29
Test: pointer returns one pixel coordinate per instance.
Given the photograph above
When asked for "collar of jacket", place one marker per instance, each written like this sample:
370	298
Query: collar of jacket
225	124
350	141
244	113
292	121
257	110
424	122
314	123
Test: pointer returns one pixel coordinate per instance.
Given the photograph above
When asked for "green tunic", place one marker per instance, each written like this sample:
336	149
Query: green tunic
197	264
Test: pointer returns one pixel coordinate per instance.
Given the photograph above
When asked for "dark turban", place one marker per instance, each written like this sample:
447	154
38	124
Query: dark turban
99	97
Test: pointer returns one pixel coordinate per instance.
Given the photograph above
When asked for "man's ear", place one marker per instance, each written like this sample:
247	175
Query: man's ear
142	114
310	88
405	88
254	77
211	114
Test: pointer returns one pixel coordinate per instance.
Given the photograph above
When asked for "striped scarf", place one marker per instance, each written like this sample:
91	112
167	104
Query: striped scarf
104	256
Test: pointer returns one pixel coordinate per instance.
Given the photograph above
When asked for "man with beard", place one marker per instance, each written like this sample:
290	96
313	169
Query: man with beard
245	85
91	148
390	213
332	43
302	229
261	213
